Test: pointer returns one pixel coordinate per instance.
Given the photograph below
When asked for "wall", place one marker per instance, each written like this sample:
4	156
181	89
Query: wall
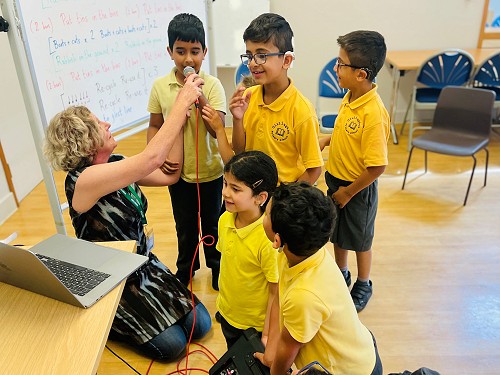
15	134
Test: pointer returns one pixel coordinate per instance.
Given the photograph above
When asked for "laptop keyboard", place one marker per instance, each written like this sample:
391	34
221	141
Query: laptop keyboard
79	280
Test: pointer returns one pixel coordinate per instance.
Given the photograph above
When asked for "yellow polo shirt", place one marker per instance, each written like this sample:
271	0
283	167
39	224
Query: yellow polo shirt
162	98
248	263
286	130
317	309
359	138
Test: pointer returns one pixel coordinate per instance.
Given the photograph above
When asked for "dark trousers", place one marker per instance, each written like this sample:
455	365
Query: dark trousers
231	334
184	197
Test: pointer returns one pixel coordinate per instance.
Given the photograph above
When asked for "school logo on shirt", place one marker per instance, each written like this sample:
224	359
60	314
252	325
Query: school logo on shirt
280	131
352	125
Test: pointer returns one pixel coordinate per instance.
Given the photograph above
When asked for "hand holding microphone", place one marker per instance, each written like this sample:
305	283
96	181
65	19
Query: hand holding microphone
191	86
188	70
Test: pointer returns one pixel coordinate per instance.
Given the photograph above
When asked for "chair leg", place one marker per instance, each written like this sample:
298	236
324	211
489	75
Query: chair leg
407	166
406	116
470	181
486	165
425	161
412	117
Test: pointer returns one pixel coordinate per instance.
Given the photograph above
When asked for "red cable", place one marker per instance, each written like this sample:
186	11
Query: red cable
202	240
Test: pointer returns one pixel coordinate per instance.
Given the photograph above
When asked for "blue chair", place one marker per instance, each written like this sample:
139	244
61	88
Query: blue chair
241	71
451	67
328	87
487	76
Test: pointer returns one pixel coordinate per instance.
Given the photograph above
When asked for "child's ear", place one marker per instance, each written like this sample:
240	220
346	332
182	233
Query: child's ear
262	198
169	52
288	60
205	53
362	75
277	241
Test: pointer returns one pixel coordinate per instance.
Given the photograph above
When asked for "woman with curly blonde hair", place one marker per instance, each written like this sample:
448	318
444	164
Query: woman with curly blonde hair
155	313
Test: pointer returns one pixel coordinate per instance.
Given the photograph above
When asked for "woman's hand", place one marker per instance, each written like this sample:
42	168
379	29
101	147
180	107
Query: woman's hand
191	90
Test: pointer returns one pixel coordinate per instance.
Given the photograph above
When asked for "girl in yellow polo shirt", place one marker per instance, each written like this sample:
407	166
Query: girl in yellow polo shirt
248	269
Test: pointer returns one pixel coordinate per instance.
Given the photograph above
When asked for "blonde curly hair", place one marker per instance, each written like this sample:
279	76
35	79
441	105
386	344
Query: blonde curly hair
72	139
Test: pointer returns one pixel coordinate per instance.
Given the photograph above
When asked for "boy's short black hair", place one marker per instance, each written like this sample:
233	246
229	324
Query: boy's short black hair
303	217
366	49
187	28
270	27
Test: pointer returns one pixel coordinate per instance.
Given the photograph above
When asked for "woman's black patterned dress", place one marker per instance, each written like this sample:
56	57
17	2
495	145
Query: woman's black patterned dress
153	299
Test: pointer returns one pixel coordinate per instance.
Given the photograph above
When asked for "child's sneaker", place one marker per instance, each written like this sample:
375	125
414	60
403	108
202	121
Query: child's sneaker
347	278
218	317
361	293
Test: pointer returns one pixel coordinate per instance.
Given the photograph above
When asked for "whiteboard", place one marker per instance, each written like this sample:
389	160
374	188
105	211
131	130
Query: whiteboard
104	54
231	18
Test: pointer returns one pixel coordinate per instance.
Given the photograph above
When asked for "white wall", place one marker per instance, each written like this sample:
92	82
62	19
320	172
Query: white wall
15	134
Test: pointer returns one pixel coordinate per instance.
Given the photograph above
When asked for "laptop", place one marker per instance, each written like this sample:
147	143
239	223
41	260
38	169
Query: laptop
239	359
86	271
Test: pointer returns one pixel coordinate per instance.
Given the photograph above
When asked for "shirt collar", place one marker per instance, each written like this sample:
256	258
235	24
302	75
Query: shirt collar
280	102
363	99
312	261
245	231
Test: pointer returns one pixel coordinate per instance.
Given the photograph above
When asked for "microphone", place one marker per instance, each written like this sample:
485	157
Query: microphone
188	70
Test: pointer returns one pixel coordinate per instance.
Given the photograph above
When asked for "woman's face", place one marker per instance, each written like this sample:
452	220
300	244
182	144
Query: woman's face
109	142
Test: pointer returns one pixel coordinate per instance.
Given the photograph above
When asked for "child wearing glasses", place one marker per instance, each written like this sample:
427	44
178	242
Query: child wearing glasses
357	156
313	318
202	161
273	116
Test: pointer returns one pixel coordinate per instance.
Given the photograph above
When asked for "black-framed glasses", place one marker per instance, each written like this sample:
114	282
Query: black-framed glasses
314	364
341	64
259	58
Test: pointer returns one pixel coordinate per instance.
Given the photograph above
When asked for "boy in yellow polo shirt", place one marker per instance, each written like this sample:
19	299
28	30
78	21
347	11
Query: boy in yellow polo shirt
313	317
358	155
273	116
202	161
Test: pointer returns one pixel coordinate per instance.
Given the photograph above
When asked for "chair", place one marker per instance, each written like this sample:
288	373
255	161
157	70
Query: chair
328	87
451	67
240	72
487	76
461	127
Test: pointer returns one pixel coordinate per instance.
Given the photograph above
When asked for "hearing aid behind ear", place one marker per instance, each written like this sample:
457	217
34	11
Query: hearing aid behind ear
290	53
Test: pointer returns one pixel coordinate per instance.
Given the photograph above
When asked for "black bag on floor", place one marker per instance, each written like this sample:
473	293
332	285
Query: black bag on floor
420	371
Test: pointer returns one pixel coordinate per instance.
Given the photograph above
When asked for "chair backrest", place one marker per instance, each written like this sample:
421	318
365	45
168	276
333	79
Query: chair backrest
328	83
488	73
464	109
451	67
241	71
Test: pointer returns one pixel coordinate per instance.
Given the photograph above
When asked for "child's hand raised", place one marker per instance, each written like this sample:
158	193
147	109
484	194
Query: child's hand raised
212	117
239	104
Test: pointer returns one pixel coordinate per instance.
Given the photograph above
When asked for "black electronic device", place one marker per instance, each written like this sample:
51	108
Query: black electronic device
4	25
239	359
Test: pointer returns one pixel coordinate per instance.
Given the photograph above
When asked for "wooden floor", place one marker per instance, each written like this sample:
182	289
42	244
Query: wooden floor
436	266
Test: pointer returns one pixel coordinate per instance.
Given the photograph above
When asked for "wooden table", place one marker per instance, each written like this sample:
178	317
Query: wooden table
40	335
402	61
